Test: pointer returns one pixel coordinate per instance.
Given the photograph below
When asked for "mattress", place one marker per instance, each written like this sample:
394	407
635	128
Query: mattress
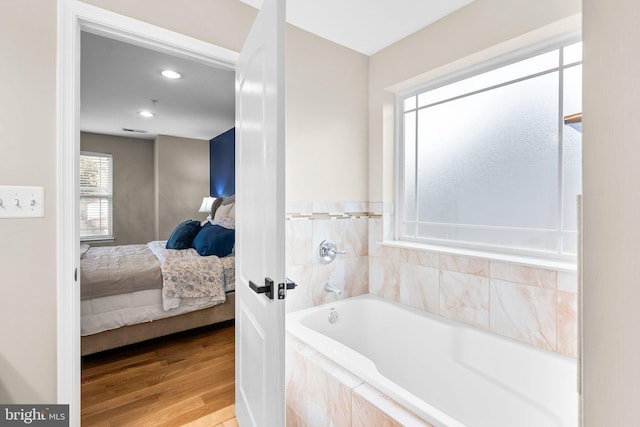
115	311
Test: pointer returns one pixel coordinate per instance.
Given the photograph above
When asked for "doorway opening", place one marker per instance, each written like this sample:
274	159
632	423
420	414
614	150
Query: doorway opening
75	19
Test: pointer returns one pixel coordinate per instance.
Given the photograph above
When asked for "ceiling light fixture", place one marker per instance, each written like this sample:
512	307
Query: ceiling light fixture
146	114
170	74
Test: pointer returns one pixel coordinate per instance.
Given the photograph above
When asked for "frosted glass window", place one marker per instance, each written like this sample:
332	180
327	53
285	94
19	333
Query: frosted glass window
488	162
571	159
540	63
573	53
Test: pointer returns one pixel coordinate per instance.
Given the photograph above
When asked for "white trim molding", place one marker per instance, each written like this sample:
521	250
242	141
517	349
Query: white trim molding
73	18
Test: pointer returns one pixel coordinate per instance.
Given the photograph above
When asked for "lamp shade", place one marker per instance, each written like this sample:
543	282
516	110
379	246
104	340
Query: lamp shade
207	202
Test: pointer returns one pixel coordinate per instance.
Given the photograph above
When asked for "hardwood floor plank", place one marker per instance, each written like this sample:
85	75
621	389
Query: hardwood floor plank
171	381
218	418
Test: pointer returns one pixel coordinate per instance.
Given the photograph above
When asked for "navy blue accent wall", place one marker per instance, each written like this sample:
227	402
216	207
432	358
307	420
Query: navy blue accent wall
222	164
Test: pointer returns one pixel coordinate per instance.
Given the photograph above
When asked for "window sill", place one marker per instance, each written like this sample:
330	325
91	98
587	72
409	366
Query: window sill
105	239
529	261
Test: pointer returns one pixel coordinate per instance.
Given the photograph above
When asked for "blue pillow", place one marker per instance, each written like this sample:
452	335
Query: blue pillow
214	240
182	236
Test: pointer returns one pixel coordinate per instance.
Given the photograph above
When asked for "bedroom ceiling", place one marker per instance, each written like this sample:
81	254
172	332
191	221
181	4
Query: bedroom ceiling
366	26
119	80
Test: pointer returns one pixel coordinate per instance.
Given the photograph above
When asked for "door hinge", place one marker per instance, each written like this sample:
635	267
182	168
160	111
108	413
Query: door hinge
269	288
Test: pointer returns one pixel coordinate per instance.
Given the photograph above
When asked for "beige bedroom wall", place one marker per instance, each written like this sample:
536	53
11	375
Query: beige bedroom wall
28	153
611	213
182	180
133	185
327	120
474	28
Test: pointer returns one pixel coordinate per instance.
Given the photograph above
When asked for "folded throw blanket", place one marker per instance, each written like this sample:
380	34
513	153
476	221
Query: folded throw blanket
186	274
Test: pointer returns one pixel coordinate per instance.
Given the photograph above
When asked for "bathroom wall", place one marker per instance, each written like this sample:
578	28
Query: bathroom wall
326	167
533	305
308	224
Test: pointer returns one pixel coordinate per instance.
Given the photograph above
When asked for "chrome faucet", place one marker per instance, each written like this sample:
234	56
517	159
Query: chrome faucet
330	287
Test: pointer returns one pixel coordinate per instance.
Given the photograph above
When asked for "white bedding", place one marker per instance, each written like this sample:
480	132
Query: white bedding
111	312
114	311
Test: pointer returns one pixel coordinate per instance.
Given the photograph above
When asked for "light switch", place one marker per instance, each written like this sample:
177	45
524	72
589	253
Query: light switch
21	202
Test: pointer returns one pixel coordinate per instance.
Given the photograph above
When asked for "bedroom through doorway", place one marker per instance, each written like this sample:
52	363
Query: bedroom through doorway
152	355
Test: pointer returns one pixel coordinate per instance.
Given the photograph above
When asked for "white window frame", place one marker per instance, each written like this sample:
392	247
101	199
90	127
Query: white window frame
461	74
109	236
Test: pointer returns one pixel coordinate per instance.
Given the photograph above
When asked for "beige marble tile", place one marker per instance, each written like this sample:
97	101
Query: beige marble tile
376	208
355	237
333	273
298	207
391	253
419	257
525	313
356	276
328	206
296	375
326	229
298	246
388	226
384	278
375	236
524	275
463	264
354	207
328	393
302	296
567	324
465	298
568	281
419	287
294	419
372	408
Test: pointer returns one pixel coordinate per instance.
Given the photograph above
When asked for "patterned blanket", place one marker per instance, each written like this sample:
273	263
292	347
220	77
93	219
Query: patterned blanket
186	274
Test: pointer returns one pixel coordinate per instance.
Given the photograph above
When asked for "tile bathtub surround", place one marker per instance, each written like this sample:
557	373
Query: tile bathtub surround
533	305
321	393
307	225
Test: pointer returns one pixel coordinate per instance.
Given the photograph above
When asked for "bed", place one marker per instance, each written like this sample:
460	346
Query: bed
134	293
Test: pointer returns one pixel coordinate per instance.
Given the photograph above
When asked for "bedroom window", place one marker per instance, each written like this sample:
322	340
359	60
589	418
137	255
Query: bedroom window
96	196
486	162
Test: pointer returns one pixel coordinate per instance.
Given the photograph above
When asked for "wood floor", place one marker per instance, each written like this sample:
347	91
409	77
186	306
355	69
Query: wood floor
185	379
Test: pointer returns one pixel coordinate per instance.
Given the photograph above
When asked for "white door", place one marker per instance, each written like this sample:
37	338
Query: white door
260	217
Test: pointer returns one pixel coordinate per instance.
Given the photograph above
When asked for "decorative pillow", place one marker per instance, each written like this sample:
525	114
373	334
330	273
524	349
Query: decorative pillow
182	236
214	240
223	211
232	211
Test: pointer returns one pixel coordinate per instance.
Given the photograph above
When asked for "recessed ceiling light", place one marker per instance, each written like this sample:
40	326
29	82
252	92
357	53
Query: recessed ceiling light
146	114
170	74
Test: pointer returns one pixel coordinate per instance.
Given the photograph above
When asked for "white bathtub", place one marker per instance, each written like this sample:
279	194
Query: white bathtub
444	372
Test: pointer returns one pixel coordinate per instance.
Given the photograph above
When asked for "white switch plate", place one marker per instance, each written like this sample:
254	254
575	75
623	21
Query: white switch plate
21	202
